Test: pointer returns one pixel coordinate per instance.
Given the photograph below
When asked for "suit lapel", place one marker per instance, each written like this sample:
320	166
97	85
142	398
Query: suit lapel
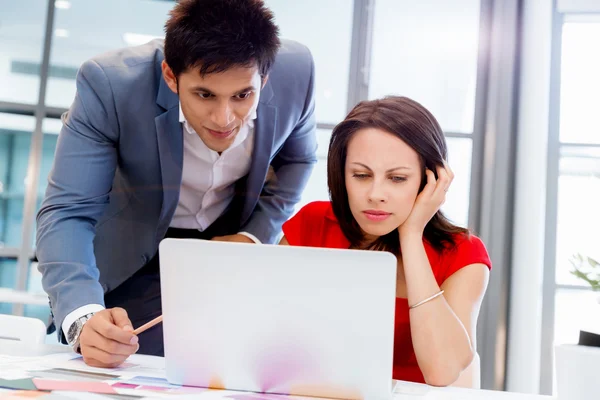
264	133
170	152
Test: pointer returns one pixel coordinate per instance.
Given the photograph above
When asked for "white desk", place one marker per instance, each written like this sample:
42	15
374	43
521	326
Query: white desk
18	349
405	390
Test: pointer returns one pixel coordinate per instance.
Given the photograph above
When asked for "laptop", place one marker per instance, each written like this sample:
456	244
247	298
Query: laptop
278	319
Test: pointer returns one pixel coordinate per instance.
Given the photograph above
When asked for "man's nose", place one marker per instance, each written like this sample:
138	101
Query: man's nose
223	115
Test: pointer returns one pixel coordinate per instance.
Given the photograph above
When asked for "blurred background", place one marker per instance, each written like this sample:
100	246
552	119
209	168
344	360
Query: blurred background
514	84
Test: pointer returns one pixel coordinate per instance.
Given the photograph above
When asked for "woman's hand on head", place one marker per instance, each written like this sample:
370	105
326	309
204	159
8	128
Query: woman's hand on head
428	202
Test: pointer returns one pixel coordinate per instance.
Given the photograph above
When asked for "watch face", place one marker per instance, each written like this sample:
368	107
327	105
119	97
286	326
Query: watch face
72	332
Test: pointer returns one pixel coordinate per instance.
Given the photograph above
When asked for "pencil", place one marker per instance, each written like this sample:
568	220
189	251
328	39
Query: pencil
148	325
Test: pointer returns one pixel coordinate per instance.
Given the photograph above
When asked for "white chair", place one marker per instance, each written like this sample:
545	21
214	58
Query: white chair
471	376
22	329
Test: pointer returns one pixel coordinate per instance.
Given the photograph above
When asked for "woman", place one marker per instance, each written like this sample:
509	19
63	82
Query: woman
388	177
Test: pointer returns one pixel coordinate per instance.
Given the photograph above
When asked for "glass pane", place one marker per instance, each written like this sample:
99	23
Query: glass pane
8	276
330	45
316	189
51	128
575	310
84	29
456	207
578	6
8	279
578	215
323	138
15	141
580	83
427	50
21	43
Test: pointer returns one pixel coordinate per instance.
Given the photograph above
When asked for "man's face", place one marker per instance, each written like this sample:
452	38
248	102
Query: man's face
218	104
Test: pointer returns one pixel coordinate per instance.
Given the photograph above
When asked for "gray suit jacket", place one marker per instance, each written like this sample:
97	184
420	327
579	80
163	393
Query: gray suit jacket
115	181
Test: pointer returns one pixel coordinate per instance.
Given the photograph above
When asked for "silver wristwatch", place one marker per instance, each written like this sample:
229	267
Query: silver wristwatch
75	331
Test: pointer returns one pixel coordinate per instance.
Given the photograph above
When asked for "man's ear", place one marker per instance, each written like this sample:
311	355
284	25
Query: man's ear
169	77
264	81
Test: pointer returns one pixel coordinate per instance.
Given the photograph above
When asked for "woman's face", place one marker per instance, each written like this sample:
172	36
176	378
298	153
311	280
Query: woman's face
383	176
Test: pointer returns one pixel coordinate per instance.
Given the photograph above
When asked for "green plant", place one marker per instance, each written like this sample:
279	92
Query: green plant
587	269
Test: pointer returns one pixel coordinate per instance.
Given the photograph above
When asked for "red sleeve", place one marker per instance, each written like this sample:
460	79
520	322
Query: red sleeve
306	227
468	251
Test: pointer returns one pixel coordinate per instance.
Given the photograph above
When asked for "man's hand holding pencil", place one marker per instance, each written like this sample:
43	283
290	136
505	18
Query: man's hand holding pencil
108	338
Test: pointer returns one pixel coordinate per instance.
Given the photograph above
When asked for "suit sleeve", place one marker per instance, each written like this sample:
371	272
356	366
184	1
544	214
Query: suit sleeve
78	192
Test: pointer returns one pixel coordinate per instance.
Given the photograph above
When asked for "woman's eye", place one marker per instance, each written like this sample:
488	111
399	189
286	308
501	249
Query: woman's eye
360	176
398	178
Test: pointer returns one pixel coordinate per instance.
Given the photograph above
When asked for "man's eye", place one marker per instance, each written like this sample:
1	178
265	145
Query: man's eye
244	95
204	95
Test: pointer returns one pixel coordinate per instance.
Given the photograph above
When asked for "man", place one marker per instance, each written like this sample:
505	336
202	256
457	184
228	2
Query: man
170	142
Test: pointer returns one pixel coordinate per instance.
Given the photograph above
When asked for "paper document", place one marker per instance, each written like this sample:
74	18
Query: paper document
73	386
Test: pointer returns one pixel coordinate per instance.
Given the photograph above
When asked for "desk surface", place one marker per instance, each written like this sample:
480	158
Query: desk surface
404	390
19	349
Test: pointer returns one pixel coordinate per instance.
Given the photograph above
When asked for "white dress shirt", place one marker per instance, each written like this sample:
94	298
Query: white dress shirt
208	179
207	187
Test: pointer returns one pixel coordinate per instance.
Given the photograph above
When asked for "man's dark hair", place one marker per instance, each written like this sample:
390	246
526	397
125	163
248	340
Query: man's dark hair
216	35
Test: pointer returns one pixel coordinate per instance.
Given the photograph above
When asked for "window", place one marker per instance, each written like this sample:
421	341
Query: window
442	78
15	140
86	29
329	45
573	6
21	40
427	50
8	276
580	83
331	53
576	207
316	189
456	207
578	216
573	310
578	219
15	143
51	129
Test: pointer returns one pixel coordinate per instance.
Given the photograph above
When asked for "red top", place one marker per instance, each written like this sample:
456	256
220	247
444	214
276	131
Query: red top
315	225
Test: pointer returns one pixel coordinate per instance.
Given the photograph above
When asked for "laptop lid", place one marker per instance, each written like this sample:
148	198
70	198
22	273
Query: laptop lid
278	319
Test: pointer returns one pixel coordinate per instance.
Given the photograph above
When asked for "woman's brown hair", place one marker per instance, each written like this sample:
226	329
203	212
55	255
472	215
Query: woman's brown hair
417	127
